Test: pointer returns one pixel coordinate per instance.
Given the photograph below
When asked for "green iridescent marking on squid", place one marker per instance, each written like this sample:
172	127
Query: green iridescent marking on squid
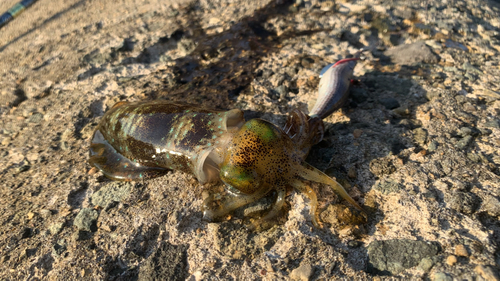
263	131
220	119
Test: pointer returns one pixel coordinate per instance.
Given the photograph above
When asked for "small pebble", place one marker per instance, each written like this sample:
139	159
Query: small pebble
451	260
464	131
492	205
463	143
353	244
30	215
461	251
426	264
303	272
357	133
441	276
352	173
45	213
92	171
487	273
433	146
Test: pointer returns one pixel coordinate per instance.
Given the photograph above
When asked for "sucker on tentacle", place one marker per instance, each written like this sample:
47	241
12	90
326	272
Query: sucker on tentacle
140	140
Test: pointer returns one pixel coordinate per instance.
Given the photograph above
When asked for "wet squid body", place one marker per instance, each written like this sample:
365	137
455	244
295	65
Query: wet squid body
140	140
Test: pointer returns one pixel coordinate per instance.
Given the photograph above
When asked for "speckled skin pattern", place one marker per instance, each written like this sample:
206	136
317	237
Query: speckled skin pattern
146	139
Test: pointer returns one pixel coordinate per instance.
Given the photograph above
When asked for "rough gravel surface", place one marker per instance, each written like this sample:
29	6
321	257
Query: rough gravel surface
418	143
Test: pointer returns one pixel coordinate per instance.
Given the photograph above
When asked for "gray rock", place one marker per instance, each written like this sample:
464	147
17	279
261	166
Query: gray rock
426	264
186	46
430	95
382	166
23	167
455	45
470	68
303	272
403	12
464	131
56	227
484	131
112	192
412	53
493	124
463	202
387	187
167	262
420	135
441	276
45	213
97	58
389	103
474	157
492	205
393	256
58	248
86	219
463	143
282	91
35	118
432	146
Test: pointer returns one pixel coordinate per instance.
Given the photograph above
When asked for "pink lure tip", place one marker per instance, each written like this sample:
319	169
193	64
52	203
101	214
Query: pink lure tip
344	61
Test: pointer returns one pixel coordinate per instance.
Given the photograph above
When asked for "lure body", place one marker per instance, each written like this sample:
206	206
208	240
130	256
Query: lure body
334	87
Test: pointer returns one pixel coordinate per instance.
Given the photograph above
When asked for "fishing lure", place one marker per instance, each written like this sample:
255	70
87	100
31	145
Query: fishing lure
334	86
140	140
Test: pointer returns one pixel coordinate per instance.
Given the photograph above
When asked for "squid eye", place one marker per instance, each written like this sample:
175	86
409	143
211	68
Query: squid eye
244	180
